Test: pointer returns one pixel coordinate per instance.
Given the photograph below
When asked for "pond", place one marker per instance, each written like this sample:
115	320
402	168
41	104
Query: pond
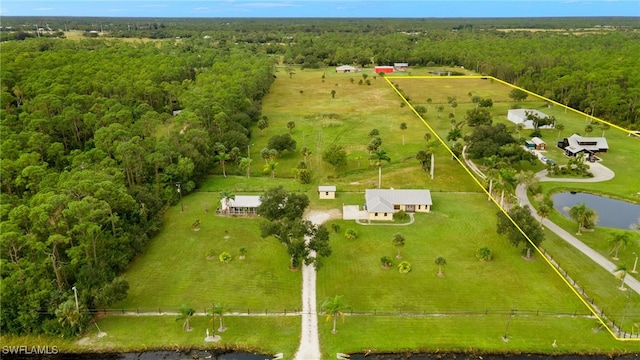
611	212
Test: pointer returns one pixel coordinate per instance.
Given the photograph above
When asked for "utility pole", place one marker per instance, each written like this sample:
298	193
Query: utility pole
75	295
178	185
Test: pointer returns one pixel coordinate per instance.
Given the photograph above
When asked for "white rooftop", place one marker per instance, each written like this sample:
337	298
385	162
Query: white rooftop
383	200
578	143
249	201
326	188
536	140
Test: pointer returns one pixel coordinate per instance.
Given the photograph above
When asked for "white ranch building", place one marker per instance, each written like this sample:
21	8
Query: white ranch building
519	116
241	205
381	204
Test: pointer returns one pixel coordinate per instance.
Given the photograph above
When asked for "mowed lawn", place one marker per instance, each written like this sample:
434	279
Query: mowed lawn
458	226
470	334
174	269
266	335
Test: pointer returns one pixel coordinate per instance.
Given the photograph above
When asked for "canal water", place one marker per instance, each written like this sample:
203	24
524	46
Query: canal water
611	212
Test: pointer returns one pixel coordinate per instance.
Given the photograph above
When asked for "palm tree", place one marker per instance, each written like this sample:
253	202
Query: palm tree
618	241
506	182
604	127
290	125
186	313
223	157
226	197
271	167
583	216
69	316
398	242
559	127
403	127
245	164
220	310
620	273
588	129
334	308
440	261
440	108
379	156
543	211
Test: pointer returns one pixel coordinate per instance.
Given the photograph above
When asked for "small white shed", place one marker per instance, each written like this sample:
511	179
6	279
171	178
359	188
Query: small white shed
326	192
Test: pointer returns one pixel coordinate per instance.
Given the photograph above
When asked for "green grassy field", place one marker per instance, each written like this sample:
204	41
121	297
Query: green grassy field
175	270
473	334
455	232
149	333
346	120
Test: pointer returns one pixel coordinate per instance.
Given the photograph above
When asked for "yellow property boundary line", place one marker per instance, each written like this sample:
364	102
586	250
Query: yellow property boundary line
591	309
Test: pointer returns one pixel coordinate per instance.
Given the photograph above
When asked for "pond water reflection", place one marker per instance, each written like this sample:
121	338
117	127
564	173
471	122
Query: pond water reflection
611	212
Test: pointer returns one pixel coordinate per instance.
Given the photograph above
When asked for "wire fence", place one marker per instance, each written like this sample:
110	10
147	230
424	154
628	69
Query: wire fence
168	311
606	318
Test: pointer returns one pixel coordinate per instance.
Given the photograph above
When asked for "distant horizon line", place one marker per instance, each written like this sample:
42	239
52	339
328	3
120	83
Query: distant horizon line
328	17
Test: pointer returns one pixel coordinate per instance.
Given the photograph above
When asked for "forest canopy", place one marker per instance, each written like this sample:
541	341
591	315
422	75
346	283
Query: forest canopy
92	153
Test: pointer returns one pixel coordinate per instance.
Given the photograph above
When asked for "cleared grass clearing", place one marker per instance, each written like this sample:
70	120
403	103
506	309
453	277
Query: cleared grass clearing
346	120
174	269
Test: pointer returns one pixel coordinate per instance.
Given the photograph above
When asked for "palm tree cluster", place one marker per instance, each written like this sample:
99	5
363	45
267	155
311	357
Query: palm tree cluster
584	216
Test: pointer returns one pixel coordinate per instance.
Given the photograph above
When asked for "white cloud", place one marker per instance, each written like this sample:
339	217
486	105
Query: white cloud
43	9
201	8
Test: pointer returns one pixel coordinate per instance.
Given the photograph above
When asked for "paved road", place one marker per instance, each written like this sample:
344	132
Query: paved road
521	194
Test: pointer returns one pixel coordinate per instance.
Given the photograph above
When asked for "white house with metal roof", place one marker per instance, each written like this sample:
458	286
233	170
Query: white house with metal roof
381	204
326	192
241	205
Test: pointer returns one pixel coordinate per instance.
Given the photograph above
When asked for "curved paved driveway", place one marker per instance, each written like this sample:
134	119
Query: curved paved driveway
599	171
521	193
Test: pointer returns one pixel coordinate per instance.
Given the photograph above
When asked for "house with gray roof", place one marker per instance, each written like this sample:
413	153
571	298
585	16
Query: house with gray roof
381	204
575	144
241	205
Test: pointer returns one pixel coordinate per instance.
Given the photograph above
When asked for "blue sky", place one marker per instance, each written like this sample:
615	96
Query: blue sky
324	8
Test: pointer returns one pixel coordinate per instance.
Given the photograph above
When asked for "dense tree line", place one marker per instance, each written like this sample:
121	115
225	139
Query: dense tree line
590	65
92	154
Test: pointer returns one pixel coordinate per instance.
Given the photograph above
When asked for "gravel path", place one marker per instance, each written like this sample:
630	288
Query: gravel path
309	348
